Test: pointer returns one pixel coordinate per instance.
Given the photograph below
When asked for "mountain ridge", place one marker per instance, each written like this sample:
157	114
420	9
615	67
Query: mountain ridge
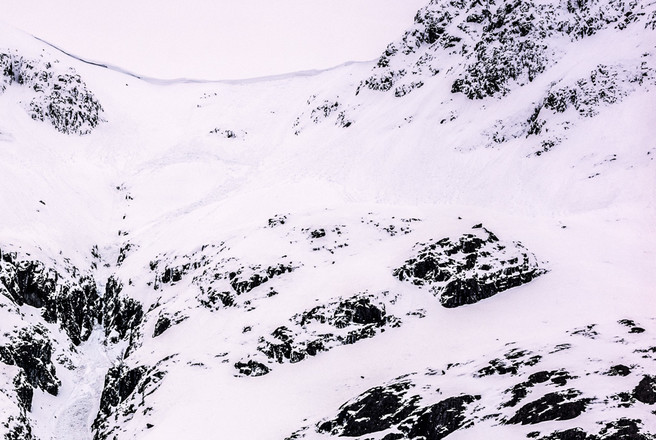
263	259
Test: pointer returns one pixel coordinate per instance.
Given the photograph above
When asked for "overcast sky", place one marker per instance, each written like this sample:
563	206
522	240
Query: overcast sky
215	39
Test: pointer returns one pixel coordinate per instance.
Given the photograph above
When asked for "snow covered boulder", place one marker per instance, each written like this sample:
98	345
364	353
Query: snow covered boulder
470	268
57	96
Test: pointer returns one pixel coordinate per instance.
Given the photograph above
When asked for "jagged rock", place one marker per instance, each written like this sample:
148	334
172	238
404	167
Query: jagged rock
511	363
30	349
24	391
568	434
73	303
645	391
252	368
562	405
520	391
120	314
473	267
325	327
61	98
374	410
439	420
165	321
120	383
18	428
124	391
623	429
619	370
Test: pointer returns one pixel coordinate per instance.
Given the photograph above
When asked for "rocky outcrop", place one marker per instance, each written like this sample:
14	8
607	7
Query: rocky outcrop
562	405
374	410
30	349
321	329
645	391
439	401
123	394
68	298
621	429
59	96
397	411
470	268
122	315
498	45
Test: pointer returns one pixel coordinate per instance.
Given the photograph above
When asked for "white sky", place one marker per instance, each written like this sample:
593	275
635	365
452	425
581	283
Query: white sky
220	39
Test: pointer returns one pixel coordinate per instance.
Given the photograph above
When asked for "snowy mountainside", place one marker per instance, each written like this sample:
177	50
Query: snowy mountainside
454	240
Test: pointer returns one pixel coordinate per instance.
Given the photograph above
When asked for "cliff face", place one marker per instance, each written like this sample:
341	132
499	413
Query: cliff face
455	240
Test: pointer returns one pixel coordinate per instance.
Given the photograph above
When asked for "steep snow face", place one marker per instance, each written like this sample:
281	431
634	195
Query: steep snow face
330	258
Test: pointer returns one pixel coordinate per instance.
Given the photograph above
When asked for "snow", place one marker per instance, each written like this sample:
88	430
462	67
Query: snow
155	175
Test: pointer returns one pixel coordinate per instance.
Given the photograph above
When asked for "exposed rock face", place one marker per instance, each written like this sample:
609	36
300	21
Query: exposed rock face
621	429
563	405
645	391
397	410
500	45
429	405
121	315
70	299
321	329
30	349
521	390
439	420
375	410
166	321
60	97
473	267
124	394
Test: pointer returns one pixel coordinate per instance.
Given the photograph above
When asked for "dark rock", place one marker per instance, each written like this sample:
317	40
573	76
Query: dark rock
568	434
623	429
162	324
18	428
120	383
63	99
252	368
520	391
473	267
318	233
73	303
562	405
439	420
645	391
121	314
619	370
510	364
31	350
374	410
24	391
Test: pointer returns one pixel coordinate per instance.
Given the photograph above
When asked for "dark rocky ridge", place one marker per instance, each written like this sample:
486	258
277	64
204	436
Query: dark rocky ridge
501	45
58	96
415	406
320	329
70	299
30	349
124	393
471	268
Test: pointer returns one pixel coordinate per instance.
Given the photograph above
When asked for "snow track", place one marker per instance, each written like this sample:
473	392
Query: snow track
73	420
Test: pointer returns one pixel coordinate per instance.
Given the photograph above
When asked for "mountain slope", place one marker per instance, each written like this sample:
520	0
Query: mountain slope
455	240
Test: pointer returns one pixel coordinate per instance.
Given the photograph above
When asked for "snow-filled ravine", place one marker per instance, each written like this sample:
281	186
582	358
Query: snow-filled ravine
454	240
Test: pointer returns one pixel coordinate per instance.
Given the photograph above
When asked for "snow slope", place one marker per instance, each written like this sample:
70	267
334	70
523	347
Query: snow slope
249	258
